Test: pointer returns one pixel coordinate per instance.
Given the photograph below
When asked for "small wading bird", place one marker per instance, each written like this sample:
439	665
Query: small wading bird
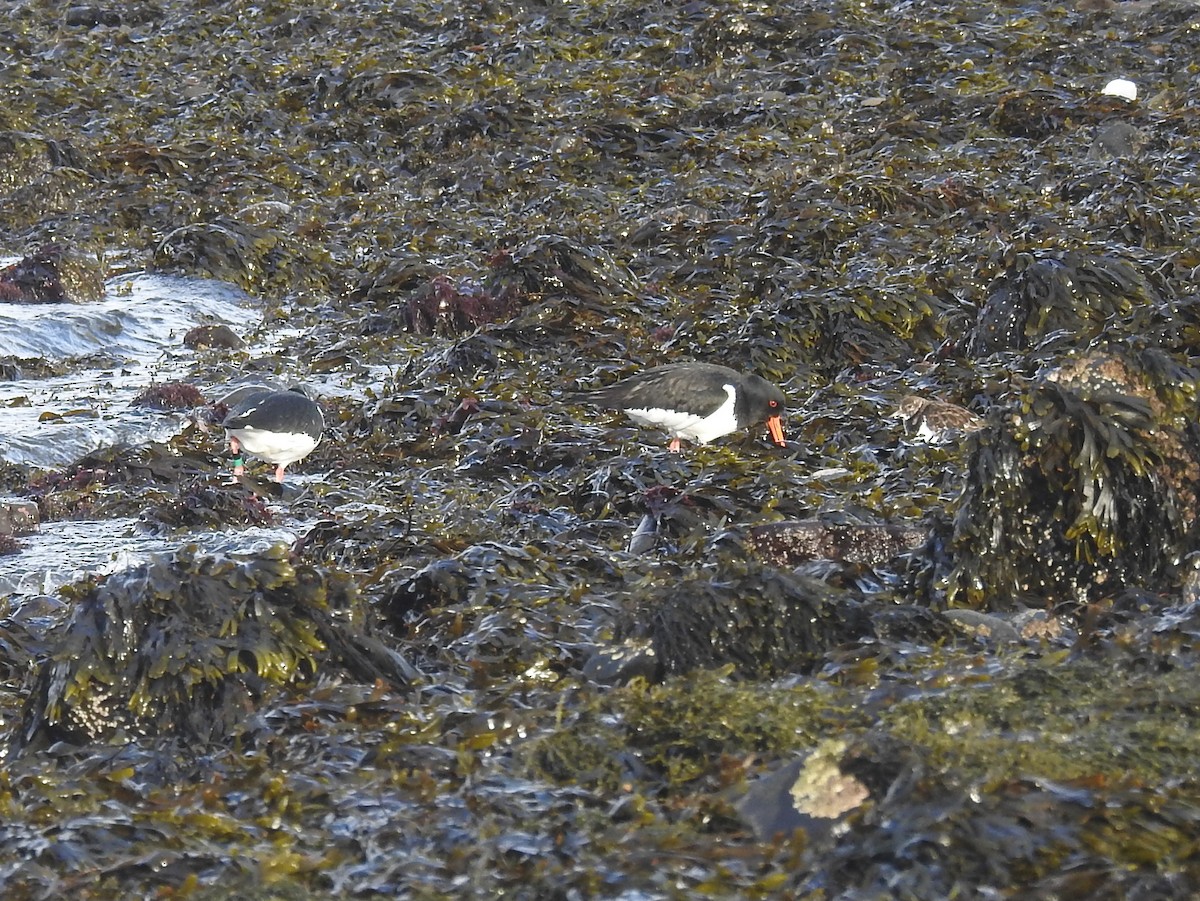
280	427
936	420
695	401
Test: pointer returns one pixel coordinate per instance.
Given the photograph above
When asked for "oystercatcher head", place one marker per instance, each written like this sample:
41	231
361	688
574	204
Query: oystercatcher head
936	420
696	401
280	427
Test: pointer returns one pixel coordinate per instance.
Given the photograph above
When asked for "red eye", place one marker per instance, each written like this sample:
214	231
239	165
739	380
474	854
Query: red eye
774	404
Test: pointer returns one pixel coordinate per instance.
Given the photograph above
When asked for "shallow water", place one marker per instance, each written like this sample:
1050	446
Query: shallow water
122	344
115	348
60	553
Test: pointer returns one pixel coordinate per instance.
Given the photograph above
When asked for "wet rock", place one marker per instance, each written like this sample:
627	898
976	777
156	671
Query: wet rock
51	274
18	516
620	663
765	622
984	625
91	16
798	541
216	336
812	793
1119	140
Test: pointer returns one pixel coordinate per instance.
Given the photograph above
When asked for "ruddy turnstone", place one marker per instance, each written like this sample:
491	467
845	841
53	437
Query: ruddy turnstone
936	420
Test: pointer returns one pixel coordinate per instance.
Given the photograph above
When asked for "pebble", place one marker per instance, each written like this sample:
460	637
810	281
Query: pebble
17	516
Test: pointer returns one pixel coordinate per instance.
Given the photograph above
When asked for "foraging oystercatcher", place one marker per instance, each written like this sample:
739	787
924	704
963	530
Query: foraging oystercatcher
936	420
696	401
281	427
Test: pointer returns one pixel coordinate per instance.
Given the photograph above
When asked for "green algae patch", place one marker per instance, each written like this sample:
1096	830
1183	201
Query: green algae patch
687	729
1054	718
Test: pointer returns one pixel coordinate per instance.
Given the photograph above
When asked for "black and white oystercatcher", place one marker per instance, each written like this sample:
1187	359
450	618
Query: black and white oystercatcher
280	427
696	401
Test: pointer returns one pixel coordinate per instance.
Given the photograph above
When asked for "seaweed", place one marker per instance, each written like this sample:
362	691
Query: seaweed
1087	485
179	647
456	218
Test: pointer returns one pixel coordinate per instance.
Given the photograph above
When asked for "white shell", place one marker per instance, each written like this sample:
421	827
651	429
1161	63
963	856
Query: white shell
1121	87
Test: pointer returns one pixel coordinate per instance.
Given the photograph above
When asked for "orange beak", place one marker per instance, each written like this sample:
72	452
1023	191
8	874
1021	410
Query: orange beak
775	427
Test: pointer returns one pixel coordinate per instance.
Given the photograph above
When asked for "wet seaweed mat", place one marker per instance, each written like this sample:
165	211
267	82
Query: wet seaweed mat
521	649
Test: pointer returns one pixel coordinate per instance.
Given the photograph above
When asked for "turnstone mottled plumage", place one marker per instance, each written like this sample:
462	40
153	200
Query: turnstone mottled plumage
936	420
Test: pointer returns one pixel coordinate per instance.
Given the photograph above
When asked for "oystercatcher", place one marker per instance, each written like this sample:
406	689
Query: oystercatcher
280	427
936	420
696	401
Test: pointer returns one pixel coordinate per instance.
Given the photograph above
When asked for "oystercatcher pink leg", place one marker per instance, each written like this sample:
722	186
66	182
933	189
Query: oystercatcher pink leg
280	427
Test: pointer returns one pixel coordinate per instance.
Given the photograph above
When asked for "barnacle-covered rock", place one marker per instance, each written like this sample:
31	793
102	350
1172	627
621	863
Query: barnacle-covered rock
796	541
184	646
1091	484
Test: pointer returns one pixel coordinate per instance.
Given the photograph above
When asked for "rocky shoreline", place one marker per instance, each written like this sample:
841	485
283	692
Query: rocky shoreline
520	649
